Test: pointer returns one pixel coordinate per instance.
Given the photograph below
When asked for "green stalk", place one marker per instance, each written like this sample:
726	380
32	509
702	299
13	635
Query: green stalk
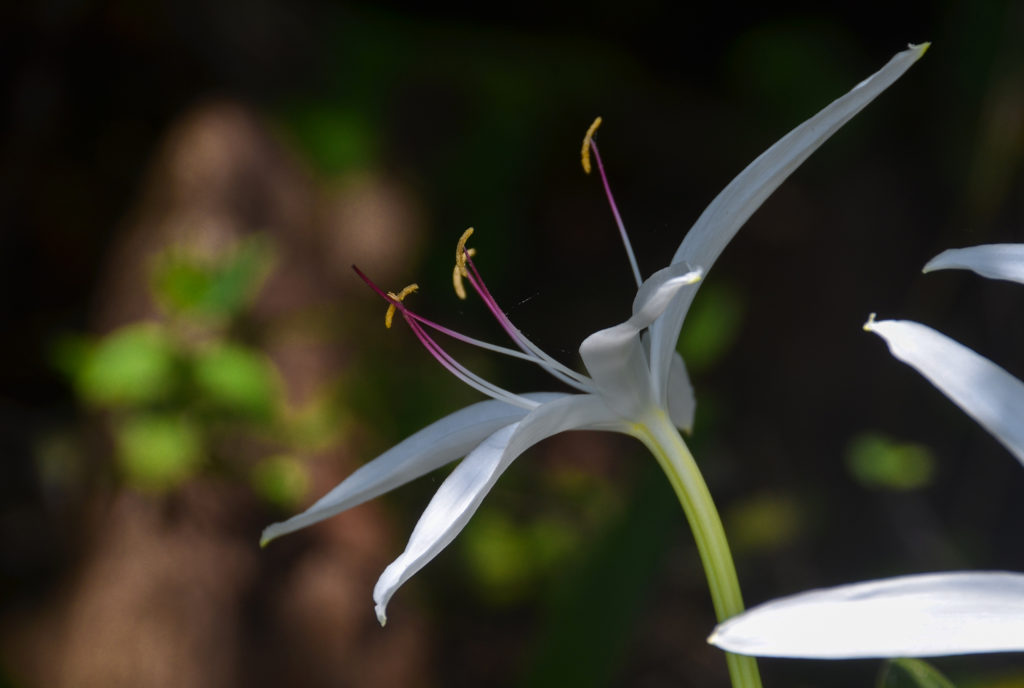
661	437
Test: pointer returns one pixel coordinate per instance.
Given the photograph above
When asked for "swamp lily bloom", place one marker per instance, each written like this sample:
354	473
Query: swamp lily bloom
636	383
924	615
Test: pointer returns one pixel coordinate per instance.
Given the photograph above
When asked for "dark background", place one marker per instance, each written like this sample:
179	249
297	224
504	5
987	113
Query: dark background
374	133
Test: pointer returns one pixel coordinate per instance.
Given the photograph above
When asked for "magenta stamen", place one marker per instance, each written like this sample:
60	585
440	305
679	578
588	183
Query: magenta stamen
615	212
529	351
380	292
416	324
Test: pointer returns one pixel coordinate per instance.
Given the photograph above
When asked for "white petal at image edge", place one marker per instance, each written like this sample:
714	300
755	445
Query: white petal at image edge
926	615
982	389
995	261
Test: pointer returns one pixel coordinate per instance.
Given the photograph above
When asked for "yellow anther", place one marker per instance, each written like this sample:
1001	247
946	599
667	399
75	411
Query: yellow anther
585	151
460	263
390	315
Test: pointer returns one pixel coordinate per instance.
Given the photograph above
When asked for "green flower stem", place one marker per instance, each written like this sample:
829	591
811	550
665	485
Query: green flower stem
661	437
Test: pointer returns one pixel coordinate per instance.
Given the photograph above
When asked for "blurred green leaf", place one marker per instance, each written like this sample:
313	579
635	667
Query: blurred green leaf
507	558
912	673
764	522
133	365
237	380
876	461
282	480
158	451
188	284
712	325
335	139
591	617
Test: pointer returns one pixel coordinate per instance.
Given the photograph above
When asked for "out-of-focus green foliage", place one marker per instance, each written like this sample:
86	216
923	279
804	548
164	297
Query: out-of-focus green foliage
281	480
764	522
712	325
334	139
878	462
158	451
172	387
596	600
507	558
201	287
133	365
912	673
236	380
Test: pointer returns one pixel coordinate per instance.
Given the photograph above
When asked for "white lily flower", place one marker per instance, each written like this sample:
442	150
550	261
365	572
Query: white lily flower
637	383
927	615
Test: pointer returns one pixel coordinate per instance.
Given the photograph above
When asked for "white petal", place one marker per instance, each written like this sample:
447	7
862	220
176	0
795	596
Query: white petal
926	615
466	486
982	389
615	357
996	261
447	514
682	404
737	202
430	448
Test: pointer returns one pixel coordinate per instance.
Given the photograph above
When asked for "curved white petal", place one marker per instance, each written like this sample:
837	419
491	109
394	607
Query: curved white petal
995	261
982	389
615	357
682	404
432	447
466	486
926	615
737	202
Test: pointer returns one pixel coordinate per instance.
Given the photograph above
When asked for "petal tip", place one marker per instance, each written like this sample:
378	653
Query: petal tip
921	48
869	326
268	535
382	615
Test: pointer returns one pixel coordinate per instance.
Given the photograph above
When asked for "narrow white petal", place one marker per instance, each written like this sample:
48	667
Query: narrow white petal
447	514
615	357
682	404
982	389
721	220
995	261
927	615
430	448
465	488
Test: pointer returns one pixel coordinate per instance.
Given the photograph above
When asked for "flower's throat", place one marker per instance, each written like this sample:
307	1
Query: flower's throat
466	271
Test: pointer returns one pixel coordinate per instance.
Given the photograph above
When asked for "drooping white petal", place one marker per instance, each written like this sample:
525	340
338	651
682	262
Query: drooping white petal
430	448
466	486
682	404
616	359
995	261
732	207
982	389
926	615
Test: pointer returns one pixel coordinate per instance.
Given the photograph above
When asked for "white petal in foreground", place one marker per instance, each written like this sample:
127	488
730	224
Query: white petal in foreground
982	389
927	615
995	261
719	223
437	444
464	489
